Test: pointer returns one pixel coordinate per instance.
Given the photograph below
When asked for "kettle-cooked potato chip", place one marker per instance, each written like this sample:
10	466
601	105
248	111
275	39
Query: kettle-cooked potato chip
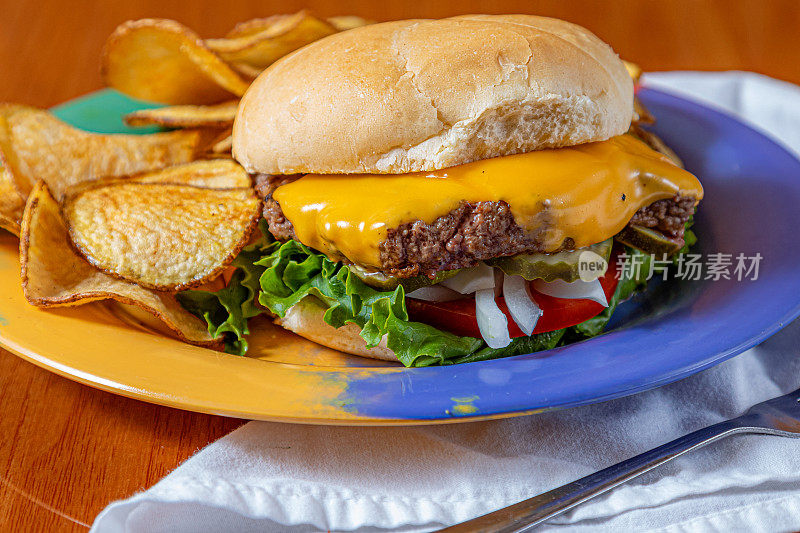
641	115
53	274
207	173
211	174
186	116
36	145
253	26
161	236
654	141
164	61
258	25
223	144
634	70
349	22
256	44
248	71
11	204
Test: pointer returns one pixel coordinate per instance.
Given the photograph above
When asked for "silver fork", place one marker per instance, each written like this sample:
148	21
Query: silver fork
779	416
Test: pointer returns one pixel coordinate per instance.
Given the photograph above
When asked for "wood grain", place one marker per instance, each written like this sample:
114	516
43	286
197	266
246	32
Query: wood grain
67	450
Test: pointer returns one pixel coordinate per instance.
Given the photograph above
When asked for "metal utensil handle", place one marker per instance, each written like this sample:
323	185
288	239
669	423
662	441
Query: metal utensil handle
524	515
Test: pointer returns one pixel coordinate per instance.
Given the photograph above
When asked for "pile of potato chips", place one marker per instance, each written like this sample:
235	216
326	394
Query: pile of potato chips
137	218
190	70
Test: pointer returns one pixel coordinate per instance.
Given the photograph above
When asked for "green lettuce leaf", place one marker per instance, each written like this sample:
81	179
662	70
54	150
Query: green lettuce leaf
520	345
293	272
227	310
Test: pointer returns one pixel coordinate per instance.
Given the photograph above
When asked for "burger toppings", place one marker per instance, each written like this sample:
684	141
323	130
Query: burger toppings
484	232
580	317
419	224
484	284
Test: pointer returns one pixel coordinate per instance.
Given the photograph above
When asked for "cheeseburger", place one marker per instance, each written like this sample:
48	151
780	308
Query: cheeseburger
446	191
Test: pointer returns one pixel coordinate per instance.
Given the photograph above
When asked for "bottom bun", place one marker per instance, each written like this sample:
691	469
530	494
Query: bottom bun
305	319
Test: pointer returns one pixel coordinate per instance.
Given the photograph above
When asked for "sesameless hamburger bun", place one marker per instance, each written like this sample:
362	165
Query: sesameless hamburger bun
419	95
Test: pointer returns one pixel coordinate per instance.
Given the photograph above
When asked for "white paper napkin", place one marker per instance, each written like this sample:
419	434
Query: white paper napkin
282	477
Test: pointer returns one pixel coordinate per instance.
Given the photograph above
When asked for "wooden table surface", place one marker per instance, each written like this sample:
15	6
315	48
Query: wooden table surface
67	450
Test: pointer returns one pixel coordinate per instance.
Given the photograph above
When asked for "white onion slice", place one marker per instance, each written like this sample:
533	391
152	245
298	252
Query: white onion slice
576	290
524	310
477	278
435	293
492	322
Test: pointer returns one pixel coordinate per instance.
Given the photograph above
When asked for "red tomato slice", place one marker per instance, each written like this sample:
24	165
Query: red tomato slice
458	316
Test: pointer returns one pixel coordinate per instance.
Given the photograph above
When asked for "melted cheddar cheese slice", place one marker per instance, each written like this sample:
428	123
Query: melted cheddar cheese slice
587	193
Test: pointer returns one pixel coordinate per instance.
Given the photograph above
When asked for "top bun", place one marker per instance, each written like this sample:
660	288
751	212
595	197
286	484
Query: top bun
417	95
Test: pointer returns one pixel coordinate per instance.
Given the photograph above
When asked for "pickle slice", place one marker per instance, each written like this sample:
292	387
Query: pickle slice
562	265
381	281
649	241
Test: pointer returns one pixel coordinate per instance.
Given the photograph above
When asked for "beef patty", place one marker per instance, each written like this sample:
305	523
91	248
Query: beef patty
470	233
